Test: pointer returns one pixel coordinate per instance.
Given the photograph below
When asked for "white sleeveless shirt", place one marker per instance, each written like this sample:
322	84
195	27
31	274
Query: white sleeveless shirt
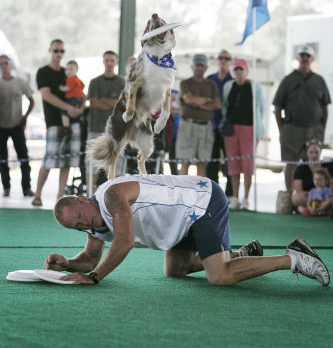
164	211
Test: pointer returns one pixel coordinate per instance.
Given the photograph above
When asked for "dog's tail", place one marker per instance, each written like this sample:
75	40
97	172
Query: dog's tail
102	151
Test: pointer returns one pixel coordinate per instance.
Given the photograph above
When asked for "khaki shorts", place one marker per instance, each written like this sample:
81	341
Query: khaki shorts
293	139
194	140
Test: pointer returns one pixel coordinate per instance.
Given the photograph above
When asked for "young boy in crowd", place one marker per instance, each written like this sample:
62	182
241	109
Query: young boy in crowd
320	197
74	91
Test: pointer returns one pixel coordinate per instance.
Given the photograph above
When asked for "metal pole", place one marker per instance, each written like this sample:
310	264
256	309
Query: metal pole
254	105
126	33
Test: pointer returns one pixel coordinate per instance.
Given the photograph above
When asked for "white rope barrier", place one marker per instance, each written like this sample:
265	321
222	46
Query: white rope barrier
161	159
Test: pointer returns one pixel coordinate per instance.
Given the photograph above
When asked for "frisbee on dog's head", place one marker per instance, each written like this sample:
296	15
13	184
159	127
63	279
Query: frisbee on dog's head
23	275
52	276
160	30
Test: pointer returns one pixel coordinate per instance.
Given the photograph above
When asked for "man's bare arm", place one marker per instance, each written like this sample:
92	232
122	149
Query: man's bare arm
117	200
215	104
110	102
57	102
278	117
103	103
84	262
30	107
195	100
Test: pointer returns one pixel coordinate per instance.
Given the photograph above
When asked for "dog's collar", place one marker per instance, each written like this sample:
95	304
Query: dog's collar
164	62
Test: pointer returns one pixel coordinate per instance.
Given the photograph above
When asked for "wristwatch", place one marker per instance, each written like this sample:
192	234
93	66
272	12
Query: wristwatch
93	276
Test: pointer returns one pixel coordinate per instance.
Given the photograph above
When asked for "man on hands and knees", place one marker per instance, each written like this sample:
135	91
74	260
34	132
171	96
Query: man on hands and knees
186	216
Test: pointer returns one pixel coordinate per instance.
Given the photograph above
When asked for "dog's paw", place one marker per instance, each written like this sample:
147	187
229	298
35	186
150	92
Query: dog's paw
127	117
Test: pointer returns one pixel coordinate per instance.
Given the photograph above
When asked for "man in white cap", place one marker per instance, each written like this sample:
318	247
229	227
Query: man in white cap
304	96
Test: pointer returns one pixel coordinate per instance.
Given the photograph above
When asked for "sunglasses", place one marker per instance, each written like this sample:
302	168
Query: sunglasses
4	63
223	58
305	55
56	50
238	68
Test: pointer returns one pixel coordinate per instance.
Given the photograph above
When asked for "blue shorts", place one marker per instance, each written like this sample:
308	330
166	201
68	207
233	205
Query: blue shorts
211	231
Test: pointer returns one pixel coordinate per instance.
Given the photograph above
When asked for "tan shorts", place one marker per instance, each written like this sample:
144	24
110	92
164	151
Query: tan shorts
293	139
194	140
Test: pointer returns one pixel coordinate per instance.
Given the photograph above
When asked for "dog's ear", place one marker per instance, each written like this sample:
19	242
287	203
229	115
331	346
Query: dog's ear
147	27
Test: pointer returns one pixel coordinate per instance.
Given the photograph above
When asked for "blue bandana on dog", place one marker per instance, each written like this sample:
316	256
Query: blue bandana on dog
165	62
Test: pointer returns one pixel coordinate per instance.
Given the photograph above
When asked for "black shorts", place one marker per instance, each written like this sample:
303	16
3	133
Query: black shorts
211	231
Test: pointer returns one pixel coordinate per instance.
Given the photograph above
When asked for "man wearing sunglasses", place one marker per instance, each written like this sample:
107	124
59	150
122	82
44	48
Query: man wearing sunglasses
220	78
12	124
304	96
61	152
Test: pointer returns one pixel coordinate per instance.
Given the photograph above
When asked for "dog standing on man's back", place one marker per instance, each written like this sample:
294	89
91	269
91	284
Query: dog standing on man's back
147	90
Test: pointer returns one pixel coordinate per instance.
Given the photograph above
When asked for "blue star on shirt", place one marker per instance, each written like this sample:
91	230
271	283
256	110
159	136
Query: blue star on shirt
202	184
193	217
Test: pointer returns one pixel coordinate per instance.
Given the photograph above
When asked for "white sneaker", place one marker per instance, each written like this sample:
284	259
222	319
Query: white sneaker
307	262
234	203
245	204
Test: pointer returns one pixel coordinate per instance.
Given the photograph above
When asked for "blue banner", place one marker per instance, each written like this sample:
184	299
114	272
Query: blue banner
262	17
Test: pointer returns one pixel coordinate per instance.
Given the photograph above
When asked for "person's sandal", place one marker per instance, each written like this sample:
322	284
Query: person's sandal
37	202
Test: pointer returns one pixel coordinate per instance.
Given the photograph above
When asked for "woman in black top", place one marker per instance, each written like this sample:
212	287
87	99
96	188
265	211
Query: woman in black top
303	177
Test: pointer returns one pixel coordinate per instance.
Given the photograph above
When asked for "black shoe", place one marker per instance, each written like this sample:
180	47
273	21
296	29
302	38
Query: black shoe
28	193
308	262
6	192
252	249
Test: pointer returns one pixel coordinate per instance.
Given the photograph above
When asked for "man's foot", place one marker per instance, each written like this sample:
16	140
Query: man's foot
37	202
6	192
252	249
28	193
307	262
234	203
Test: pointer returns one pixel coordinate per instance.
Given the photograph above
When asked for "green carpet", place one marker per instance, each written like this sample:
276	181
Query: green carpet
31	228
137	306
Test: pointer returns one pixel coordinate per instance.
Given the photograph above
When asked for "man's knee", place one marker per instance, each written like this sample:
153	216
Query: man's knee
177	272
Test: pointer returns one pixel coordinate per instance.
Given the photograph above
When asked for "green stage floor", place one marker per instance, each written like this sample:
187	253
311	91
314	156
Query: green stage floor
137	306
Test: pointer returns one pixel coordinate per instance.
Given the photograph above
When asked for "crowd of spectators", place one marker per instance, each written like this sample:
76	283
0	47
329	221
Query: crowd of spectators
211	119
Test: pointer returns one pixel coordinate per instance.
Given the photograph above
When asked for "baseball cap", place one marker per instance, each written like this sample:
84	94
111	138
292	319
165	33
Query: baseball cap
200	59
306	49
237	62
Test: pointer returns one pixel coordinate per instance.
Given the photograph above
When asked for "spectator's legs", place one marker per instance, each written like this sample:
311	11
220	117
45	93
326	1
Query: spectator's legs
213	167
42	176
4	169
247	185
224	168
299	198
235	180
289	175
63	176
184	168
20	145
201	169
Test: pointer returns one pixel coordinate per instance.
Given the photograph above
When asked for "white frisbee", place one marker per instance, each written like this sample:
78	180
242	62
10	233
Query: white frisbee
52	276
23	275
160	30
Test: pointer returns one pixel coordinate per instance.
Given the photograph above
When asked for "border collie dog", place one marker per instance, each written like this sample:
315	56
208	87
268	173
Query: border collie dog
147	91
